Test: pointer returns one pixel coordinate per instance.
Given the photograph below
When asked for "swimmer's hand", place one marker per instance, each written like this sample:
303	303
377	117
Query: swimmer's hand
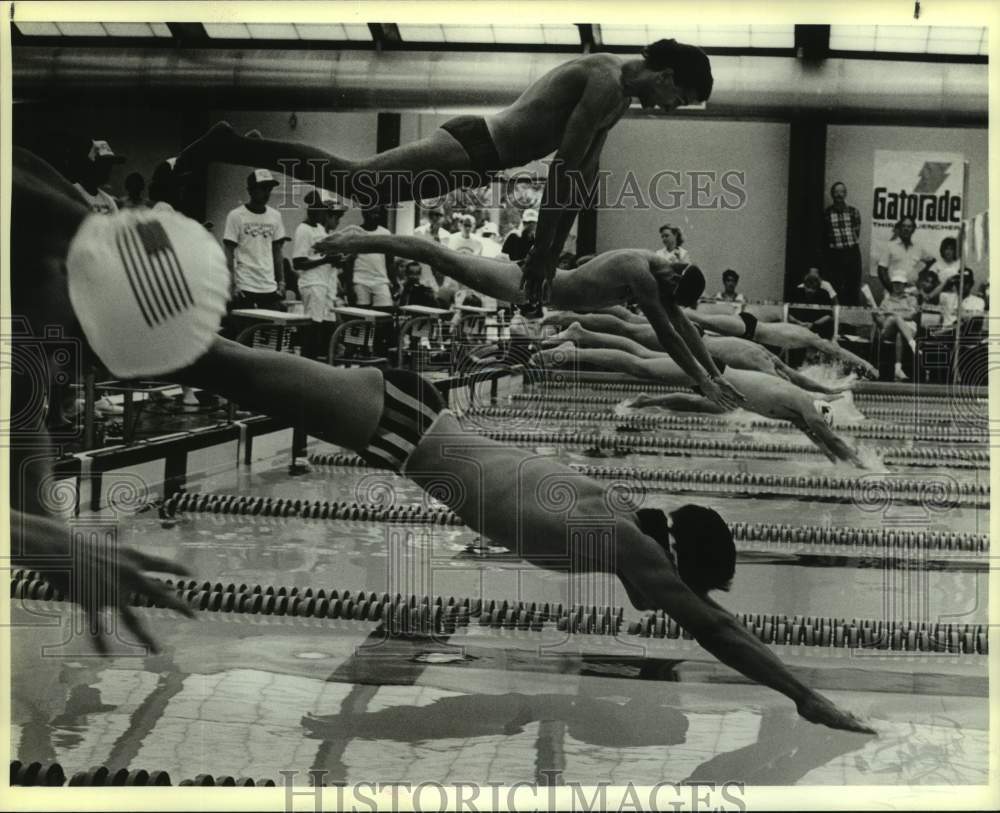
537	276
817	709
96	577
342	241
721	393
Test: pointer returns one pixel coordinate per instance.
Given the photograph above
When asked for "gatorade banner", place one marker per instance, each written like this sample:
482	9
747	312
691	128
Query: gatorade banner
926	186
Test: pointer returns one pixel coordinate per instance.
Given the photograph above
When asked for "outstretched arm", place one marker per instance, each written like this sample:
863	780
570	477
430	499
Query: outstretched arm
720	632
693	340
716	389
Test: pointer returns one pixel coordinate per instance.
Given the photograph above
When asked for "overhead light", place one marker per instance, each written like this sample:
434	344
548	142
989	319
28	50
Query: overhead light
273	31
38	29
227	31
137	29
334	32
908	39
566	34
705	36
82	29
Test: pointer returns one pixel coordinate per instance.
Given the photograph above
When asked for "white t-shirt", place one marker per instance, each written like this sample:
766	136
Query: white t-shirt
678	255
426	275
369	269
491	248
908	259
102	203
470	245
254	236
306	237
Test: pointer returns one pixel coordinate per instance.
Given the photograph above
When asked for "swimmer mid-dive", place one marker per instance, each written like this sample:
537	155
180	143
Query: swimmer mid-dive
766	395
659	286
568	111
394	419
736	353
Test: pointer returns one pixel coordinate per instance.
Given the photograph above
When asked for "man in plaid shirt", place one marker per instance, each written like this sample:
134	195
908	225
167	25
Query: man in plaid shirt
842	234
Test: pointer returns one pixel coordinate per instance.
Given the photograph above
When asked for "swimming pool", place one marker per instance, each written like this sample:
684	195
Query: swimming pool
877	595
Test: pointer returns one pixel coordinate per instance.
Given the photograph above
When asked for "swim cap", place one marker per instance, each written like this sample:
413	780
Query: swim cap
149	289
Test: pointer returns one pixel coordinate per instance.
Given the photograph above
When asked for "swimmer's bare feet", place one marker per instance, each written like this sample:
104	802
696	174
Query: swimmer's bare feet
199	153
571	334
559	356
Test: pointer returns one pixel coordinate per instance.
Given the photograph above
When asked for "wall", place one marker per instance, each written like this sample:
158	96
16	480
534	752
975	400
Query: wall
750	238
850	155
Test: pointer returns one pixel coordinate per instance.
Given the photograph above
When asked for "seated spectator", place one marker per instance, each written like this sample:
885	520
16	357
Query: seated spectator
928	285
811	291
730	279
414	292
673	242
947	293
896	318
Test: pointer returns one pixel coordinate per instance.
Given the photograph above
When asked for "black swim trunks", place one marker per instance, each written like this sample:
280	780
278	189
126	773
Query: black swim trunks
751	322
474	136
410	405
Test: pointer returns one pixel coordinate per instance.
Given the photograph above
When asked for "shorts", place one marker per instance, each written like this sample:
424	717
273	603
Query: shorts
376	296
751	325
314	301
410	405
474	136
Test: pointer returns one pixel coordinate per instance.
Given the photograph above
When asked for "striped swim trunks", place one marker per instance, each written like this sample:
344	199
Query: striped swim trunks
410	405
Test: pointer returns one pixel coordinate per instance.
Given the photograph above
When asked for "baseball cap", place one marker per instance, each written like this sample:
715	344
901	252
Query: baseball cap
102	150
261	177
320	197
489	227
148	288
529	216
898	276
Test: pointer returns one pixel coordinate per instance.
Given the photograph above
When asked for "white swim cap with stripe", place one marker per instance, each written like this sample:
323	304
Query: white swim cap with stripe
149	289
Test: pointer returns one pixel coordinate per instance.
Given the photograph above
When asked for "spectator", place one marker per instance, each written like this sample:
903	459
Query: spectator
730	279
314	272
519	243
252	240
92	171
488	235
673	245
842	245
134	197
928	287
949	265
902	254
371	282
896	318
464	240
433	230
414	292
811	292
947	294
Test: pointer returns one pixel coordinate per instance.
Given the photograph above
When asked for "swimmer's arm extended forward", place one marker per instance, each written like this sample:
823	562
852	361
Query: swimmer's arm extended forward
651	576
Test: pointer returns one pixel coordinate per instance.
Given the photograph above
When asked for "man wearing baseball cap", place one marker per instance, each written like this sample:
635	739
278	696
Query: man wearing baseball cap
93	170
518	244
314	269
252	240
